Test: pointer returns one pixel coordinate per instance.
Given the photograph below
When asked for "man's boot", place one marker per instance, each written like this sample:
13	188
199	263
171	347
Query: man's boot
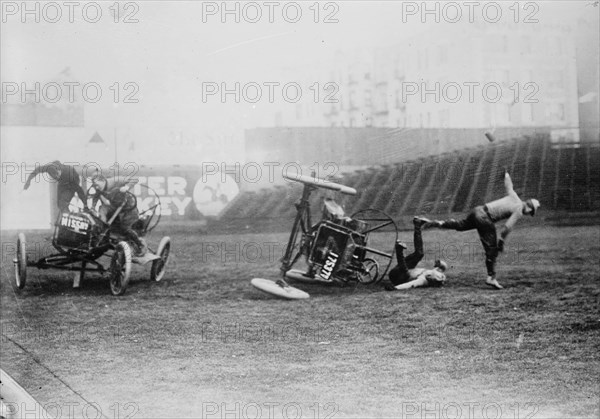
491	281
400	246
142	247
422	222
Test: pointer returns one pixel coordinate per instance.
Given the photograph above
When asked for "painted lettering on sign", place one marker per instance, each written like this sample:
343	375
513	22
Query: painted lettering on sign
74	223
329	265
177	193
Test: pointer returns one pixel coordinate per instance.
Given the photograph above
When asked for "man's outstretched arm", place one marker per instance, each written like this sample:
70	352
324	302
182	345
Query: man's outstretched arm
36	171
421	281
510	224
508	185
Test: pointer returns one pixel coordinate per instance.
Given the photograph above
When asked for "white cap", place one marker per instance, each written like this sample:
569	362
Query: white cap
441	264
534	204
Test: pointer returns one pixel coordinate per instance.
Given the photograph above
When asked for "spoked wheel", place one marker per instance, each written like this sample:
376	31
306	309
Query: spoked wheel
21	262
159	265
376	220
120	268
370	272
127	199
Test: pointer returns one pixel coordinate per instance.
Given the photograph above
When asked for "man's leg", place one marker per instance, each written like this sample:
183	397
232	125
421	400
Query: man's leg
464	224
487	234
64	196
140	243
414	258
399	274
126	223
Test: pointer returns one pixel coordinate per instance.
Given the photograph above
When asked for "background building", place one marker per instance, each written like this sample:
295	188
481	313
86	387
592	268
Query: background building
588	76
474	76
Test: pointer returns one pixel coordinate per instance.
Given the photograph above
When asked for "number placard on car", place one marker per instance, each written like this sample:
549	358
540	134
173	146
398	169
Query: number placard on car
329	265
75	223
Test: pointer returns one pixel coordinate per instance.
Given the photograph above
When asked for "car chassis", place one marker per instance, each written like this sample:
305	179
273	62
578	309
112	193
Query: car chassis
81	238
336	248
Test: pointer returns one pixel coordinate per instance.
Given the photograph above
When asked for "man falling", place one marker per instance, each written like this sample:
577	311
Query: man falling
406	274
483	219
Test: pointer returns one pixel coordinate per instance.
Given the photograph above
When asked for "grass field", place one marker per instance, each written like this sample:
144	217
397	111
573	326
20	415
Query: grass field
204	343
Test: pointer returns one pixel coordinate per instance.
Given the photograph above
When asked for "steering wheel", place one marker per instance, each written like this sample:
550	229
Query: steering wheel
116	198
377	220
119	198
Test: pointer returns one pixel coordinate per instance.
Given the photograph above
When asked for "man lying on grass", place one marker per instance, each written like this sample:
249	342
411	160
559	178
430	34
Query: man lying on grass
406	274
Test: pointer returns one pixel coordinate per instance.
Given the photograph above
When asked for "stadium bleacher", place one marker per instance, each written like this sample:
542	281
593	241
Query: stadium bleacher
563	178
459	201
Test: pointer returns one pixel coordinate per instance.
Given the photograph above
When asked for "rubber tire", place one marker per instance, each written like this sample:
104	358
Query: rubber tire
21	265
122	258
159	265
274	288
298	275
321	183
368	279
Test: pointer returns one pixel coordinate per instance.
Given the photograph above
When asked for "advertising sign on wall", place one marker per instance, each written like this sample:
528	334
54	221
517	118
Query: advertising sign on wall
184	193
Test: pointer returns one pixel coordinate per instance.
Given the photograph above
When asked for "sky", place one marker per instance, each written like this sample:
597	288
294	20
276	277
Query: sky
169	50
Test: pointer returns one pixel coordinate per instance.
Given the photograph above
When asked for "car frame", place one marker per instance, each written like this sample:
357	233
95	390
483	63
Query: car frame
81	238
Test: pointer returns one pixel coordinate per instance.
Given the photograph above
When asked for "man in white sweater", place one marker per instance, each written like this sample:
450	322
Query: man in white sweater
483	219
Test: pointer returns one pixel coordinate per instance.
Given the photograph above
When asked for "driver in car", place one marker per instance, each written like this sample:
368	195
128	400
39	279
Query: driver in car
406	274
112	192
